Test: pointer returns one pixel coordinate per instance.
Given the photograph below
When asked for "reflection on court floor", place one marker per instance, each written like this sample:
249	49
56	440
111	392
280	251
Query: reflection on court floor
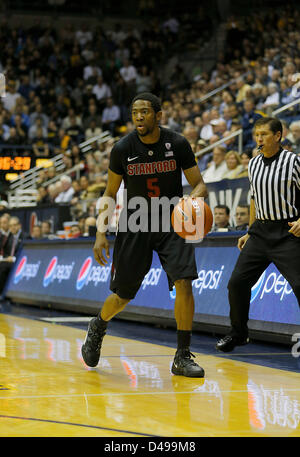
47	390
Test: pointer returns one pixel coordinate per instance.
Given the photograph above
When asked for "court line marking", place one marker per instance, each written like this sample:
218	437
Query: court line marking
75	424
66	319
195	391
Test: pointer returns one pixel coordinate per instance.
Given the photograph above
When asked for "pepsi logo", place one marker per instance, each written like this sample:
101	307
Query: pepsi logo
20	269
84	273
50	271
257	286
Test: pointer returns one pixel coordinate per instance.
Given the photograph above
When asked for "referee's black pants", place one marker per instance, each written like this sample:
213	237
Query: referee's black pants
269	242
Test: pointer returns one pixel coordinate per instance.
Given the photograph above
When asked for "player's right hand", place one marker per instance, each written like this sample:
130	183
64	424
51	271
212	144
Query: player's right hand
242	241
101	244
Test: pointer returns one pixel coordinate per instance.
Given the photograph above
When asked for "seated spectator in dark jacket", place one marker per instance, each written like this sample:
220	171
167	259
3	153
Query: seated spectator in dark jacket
43	197
249	117
40	144
242	216
36	233
221	219
46	228
11	247
4	233
75	131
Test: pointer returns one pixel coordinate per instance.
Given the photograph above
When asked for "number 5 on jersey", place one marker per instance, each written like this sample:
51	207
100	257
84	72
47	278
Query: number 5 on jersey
153	187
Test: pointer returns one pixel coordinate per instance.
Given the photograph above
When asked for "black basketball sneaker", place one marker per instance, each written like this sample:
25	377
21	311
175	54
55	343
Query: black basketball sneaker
183	365
93	341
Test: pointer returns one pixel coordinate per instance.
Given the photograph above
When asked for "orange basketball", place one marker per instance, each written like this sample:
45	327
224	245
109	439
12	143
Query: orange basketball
192	218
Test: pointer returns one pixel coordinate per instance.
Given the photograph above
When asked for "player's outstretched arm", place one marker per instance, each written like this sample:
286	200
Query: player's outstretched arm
195	180
106	209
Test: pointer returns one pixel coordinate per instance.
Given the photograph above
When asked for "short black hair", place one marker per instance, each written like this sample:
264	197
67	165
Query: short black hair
227	210
244	206
153	99
274	124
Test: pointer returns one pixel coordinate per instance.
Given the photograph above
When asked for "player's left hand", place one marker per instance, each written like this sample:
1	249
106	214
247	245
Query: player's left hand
295	228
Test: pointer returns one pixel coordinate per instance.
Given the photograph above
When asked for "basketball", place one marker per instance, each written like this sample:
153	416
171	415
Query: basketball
192	218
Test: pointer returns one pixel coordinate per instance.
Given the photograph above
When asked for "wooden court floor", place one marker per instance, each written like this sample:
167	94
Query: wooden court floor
47	391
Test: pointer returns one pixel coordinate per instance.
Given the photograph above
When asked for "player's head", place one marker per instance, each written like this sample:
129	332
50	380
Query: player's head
267	132
146	113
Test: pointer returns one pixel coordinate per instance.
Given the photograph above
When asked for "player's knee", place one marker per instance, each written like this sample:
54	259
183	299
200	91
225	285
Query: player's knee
235	283
183	286
296	290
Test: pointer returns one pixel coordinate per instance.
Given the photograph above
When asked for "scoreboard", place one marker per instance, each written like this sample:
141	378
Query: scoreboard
11	167
12	164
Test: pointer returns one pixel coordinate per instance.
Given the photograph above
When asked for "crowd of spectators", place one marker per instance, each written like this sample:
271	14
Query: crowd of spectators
66	86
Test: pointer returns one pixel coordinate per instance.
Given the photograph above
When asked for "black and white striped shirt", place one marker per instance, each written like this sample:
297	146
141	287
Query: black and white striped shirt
275	185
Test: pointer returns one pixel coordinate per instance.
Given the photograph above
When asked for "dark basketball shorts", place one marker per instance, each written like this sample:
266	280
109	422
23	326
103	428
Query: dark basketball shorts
132	259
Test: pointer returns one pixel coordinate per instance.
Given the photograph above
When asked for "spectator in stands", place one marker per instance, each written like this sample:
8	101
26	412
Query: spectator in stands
3	208
191	134
36	233
91	71
81	221
11	96
38	124
75	231
64	140
39	113
52	192
102	91
21	128
234	114
243	91
257	95
143	80
111	116
295	140
245	159
233	162
25	87
52	135
92	115
4	233
92	211
272	100
286	136
84	184
221	218
206	131
10	247
46	228
89	222
14	239
4	130
68	162
74	131
43	197
242	217
14	138
128	72
77	191
40	146
69	119
67	192
249	117
51	173
218	167
92	130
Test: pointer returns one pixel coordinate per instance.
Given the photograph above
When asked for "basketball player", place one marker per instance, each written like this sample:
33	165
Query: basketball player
150	160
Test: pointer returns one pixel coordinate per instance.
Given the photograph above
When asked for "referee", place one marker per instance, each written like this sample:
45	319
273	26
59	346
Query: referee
274	228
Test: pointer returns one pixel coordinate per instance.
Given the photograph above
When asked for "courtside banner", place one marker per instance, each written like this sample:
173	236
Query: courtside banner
66	273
